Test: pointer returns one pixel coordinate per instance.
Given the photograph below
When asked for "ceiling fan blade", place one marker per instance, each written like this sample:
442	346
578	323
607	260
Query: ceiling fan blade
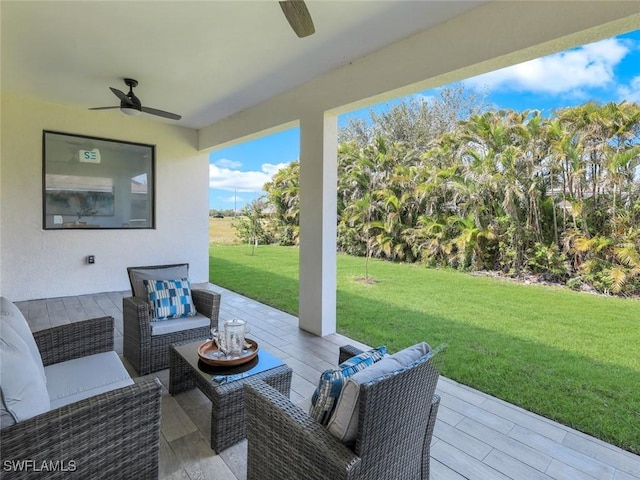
298	16
121	95
161	113
129	102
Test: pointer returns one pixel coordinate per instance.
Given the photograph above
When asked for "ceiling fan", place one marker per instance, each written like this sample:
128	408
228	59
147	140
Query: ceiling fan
298	16
131	105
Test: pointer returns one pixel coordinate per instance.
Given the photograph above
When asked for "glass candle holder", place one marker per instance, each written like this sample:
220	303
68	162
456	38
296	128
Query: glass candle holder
234	331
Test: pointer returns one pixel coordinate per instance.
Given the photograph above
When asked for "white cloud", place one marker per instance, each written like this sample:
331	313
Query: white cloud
271	169
572	71
226	163
631	92
236	180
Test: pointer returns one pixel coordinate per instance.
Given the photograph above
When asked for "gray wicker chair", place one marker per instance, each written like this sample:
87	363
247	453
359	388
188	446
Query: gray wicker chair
396	420
149	353
111	435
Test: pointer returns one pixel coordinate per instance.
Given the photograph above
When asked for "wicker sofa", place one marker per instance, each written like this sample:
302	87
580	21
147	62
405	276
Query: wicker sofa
146	342
397	414
112	434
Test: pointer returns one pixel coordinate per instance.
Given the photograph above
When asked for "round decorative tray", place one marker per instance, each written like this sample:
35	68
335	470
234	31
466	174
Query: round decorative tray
210	354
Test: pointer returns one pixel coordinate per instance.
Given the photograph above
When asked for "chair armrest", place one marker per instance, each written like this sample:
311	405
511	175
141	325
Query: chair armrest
137	309
348	351
438	356
288	443
112	435
74	340
433	414
428	436
208	304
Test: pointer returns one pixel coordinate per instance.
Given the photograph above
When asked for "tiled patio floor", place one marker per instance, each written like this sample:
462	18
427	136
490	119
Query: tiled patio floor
476	437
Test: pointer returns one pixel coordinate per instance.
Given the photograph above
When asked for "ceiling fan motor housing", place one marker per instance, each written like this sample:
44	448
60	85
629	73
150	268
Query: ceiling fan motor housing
134	102
133	106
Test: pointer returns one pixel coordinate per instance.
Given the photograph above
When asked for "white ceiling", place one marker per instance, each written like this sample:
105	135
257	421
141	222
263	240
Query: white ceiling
204	60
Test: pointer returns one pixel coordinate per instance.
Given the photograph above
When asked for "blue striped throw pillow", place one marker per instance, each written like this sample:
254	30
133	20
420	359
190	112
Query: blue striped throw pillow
324	399
170	298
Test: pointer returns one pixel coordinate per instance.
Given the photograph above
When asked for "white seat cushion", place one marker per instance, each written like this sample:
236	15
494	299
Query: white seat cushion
173	325
74	380
11	315
344	423
24	390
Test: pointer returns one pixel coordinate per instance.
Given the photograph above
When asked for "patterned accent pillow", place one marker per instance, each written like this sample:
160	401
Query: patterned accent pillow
170	298
323	401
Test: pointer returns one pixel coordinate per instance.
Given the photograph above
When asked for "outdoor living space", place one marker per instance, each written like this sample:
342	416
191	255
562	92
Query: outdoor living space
476	436
76	210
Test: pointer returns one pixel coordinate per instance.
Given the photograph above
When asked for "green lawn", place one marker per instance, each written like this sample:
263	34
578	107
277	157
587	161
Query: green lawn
572	357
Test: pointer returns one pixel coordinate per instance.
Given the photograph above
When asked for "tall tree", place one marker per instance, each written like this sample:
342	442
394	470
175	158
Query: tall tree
283	193
506	190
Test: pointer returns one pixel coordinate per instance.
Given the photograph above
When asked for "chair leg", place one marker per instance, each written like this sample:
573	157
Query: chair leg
426	448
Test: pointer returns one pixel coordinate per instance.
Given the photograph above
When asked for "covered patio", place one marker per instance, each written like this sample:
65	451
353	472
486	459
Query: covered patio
477	436
235	72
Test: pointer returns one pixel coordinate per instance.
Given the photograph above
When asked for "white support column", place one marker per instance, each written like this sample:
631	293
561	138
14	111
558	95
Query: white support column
318	230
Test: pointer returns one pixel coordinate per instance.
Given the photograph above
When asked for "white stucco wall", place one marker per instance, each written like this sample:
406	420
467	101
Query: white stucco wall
37	263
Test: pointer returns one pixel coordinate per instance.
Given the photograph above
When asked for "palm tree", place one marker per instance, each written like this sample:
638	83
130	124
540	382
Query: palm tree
283	192
358	216
428	241
618	166
485	191
469	241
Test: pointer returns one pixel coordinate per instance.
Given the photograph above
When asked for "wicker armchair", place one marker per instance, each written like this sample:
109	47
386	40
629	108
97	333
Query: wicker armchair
111	435
149	353
396	419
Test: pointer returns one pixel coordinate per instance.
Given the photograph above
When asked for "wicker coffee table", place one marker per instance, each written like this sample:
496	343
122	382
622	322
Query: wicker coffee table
223	386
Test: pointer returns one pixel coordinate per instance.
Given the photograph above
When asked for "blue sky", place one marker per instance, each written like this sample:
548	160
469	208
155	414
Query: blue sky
608	70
